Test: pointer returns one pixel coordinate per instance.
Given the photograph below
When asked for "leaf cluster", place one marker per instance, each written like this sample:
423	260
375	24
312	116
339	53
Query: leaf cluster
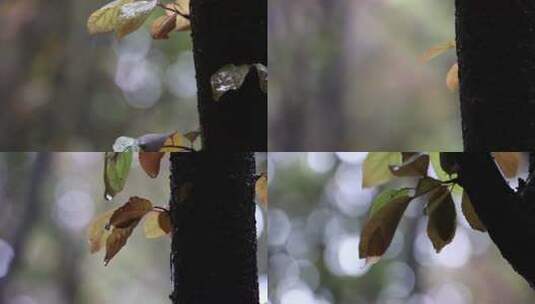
388	207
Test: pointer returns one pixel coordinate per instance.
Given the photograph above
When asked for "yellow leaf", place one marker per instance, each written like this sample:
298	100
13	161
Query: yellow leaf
437	50
376	168
508	162
150	162
132	15
452	78
105	19
173	143
151	226
261	189
130	213
97	232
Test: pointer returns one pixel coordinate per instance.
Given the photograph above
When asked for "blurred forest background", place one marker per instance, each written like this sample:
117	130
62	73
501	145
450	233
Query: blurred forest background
346	76
47	201
63	90
317	209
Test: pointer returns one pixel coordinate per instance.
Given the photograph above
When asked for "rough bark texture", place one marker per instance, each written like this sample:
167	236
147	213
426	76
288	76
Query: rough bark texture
214	241
230	32
496	54
508	215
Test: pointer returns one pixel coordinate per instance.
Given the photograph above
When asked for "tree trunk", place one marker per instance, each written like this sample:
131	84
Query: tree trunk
230	32
508	215
496	55
214	235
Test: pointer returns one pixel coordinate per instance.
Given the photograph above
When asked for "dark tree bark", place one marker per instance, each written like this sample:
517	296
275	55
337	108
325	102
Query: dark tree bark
508	215
230	32
496	55
214	235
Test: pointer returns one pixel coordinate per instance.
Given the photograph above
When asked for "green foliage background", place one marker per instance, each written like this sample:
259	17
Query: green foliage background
55	265
347	76
64	90
317	210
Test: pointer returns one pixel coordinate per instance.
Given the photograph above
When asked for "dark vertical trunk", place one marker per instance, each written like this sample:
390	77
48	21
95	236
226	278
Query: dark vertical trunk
230	32
496	54
509	216
214	236
31	211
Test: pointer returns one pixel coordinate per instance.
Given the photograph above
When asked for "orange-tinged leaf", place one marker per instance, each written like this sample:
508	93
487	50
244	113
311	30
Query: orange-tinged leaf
437	50
162	26
150	162
452	78
261	189
130	213
508	162
116	241
152	226
97	232
182	24
164	220
173	143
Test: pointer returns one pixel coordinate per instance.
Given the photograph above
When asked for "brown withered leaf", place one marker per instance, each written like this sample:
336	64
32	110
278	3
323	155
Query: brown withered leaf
150	162
162	26
442	218
116	241
385	215
130	213
261	189
164	220
470	214
413	165
97	232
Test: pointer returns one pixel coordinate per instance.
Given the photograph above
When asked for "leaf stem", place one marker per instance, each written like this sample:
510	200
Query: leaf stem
176	11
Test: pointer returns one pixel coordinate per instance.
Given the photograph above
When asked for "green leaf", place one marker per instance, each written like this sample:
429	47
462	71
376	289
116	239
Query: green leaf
386	197
105	19
116	169
470	214
442	218
229	77
132	15
413	165
377	233
262	73
376	170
